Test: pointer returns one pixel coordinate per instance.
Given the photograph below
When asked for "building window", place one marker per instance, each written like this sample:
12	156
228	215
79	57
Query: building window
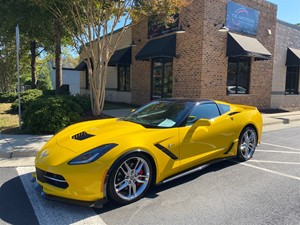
162	78
292	80
123	78
238	77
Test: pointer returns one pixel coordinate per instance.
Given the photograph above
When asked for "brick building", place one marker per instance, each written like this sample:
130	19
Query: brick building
235	66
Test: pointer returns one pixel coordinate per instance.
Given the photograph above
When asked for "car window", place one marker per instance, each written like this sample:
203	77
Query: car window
224	108
203	111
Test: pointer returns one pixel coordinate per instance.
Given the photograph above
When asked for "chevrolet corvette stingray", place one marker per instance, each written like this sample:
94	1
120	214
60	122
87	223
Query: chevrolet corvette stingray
119	159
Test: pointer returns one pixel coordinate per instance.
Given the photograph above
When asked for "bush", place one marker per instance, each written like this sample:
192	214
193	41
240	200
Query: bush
26	98
49	115
8	97
48	92
83	100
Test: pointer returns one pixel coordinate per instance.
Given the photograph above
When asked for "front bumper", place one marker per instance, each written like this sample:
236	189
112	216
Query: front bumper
84	182
95	204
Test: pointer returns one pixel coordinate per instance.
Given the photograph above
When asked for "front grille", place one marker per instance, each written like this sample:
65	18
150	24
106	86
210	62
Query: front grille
51	178
82	136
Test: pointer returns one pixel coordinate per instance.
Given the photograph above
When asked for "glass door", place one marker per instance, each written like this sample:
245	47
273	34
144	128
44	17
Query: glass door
162	78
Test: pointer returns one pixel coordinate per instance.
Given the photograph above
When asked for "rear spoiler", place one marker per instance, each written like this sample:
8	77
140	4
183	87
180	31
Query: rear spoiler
248	107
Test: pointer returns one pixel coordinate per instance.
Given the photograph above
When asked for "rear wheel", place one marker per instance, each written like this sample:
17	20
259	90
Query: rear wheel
130	178
247	143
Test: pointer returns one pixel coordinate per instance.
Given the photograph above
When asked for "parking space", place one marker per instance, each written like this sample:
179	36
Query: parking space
263	190
279	153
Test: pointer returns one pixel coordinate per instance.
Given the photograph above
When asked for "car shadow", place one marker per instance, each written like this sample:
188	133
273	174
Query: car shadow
15	207
154	191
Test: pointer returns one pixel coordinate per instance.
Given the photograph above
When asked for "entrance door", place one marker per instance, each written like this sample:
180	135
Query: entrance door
162	78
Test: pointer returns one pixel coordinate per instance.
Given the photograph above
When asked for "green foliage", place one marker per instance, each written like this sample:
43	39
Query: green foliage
26	98
7	97
84	101
49	115
48	93
43	75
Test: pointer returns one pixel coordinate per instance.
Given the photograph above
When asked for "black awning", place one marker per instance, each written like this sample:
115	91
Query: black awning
239	45
121	57
81	66
161	47
293	57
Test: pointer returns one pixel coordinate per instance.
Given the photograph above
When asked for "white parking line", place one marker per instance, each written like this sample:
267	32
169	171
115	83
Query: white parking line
275	162
274	151
280	146
267	170
49	212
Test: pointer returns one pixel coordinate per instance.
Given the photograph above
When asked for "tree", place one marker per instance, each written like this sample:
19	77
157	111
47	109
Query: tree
37	26
92	23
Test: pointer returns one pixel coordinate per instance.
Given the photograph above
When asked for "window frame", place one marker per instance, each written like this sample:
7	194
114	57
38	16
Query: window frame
238	61
289	78
127	86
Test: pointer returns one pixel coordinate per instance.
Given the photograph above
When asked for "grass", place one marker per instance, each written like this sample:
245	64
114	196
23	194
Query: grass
9	123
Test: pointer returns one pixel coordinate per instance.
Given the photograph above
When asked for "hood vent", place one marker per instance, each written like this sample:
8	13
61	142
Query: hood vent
82	136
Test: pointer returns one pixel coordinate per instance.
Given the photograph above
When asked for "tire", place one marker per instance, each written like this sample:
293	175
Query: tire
130	179
247	144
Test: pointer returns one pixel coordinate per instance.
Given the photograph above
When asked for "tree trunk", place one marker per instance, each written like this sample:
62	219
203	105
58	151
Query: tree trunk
58	60
33	62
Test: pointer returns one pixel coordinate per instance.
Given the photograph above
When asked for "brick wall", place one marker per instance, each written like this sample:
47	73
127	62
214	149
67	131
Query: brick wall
141	70
214	61
200	67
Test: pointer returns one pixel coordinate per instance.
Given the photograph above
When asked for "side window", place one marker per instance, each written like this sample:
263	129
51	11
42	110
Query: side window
223	108
203	111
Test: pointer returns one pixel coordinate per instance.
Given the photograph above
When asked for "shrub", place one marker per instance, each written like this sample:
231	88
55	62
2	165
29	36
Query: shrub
48	92
7	97
49	115
26	98
83	100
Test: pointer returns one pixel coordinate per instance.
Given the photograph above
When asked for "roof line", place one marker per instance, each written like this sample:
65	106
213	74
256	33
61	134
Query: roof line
288	24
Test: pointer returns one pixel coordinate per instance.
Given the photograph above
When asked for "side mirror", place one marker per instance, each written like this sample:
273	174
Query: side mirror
202	123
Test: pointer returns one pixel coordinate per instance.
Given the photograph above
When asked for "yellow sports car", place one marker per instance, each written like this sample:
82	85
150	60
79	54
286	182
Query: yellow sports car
119	159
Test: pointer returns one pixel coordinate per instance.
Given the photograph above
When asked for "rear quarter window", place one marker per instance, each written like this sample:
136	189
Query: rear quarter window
224	108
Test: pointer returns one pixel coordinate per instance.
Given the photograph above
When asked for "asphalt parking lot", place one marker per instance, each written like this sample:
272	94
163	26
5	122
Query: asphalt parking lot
264	190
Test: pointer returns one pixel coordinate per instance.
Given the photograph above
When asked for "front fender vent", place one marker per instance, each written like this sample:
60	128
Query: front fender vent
166	151
82	136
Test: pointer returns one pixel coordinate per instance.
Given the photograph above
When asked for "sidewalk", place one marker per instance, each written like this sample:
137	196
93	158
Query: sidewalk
21	149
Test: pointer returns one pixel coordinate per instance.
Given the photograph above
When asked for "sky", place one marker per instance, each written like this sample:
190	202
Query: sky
288	10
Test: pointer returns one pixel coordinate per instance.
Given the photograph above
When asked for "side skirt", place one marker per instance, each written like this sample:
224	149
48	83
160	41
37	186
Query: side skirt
193	170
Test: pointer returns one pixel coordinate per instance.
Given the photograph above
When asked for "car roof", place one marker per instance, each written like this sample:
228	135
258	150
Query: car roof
201	101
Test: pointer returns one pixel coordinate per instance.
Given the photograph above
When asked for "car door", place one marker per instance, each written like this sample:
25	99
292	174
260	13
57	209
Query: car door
207	141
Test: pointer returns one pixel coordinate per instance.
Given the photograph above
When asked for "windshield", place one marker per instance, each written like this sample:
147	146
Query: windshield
161	114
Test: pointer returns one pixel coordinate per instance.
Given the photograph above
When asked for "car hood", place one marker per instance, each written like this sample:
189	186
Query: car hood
87	135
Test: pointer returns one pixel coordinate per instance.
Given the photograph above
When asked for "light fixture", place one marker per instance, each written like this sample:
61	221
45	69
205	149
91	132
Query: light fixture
180	30
133	44
269	32
222	28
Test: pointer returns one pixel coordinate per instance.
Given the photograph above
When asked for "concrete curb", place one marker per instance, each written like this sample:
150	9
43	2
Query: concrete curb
280	119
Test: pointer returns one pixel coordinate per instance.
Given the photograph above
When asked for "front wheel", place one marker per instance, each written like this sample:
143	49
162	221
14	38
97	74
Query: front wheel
130	178
247	143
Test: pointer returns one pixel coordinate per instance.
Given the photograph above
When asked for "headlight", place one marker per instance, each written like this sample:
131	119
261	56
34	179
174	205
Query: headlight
92	155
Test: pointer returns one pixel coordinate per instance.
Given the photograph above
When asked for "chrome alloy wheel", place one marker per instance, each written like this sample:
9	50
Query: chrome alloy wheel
132	178
248	143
